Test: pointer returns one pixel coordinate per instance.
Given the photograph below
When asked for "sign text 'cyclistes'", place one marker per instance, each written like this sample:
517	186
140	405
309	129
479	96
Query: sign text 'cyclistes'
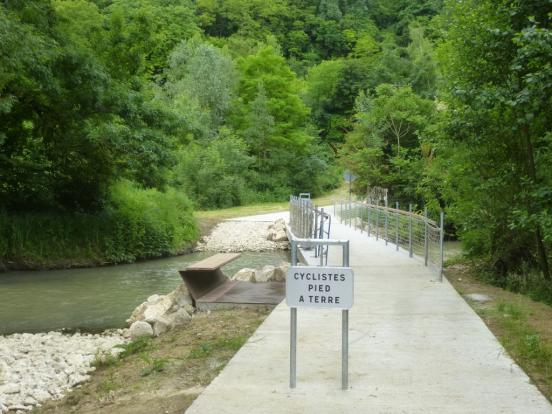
319	287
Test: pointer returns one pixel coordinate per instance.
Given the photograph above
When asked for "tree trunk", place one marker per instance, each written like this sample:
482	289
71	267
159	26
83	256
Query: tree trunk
541	248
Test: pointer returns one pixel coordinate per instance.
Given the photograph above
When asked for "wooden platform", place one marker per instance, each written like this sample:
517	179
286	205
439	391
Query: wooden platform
214	262
208	284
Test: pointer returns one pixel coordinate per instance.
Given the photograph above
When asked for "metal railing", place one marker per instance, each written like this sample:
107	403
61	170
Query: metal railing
414	232
308	221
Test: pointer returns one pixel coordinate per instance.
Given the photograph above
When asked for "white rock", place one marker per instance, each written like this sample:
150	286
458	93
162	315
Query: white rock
279	275
10	388
280	236
153	298
180	297
245	275
237	236
4	370
179	318
17	407
265	274
137	314
28	400
41	395
139	329
157	309
160	325
478	297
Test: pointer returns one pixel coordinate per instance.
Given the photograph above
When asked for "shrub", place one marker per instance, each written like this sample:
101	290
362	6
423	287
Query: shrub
136	224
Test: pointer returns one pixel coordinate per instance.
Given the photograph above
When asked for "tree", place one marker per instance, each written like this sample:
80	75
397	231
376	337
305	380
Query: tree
203	79
267	73
385	146
423	77
499	88
142	33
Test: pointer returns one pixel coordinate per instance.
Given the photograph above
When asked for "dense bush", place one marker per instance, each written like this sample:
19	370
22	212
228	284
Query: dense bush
137	224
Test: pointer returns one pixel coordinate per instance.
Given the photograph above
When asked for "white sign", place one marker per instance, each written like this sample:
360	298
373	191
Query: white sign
319	287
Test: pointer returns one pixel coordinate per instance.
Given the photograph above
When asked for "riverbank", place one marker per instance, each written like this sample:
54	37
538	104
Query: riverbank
38	367
43	367
164	374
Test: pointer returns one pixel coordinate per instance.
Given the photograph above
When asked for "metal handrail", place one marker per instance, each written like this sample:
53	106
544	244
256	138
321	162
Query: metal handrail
414	232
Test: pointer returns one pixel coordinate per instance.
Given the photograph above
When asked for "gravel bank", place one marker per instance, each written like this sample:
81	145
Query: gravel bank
239	236
38	367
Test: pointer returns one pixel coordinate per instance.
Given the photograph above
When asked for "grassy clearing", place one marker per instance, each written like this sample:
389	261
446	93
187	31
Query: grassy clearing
207	219
163	375
522	325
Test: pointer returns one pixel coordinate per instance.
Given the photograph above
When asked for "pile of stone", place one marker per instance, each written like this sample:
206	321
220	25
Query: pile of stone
39	367
160	313
277	231
265	274
240	236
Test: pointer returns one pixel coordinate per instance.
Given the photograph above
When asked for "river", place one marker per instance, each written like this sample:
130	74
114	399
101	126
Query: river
95	299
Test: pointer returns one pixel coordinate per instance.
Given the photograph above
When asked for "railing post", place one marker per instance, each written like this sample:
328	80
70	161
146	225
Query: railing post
442	245
345	258
293	330
315	232
345	349
377	221
345	332
410	252
321	236
369	219
386	221
426	241
398	223
341	213
360	218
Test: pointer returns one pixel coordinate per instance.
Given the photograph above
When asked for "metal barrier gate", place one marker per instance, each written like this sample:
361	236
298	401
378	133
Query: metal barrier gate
314	224
308	221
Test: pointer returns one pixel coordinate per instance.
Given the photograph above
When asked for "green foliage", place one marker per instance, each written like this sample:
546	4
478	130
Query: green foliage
111	109
386	146
266	73
142	33
149	223
201	84
153	366
522	341
137	224
136	346
498	94
216	173
206	349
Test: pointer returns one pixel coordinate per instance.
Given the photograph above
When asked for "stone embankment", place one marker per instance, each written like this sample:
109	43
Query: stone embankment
239	236
160	313
38	367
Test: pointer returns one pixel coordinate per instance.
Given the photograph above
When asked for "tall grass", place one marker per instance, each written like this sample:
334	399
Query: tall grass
136	224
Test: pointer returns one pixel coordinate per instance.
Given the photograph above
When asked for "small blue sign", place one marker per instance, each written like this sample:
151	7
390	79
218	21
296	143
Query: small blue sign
349	177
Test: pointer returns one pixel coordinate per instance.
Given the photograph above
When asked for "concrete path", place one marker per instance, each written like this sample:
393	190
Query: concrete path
415	347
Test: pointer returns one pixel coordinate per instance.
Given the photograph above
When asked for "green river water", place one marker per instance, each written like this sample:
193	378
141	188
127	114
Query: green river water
94	299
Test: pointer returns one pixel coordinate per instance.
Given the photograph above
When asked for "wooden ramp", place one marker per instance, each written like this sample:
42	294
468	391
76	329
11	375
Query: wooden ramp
210	287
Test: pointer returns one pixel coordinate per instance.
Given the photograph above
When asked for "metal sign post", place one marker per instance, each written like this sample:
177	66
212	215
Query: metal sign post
320	287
